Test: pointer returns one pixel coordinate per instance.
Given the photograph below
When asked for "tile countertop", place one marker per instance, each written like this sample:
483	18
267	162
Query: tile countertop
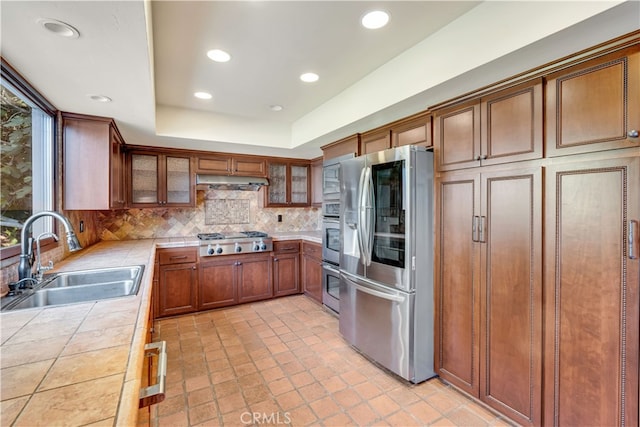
81	363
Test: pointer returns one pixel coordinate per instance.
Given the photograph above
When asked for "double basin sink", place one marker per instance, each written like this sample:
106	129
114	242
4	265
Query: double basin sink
79	286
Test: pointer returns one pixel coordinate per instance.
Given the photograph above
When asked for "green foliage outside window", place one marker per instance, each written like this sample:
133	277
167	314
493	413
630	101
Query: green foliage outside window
16	167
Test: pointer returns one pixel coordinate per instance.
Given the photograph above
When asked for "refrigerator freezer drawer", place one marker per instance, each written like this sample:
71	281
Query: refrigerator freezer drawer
381	323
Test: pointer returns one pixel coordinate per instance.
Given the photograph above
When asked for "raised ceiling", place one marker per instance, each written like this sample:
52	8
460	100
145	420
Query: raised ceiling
150	57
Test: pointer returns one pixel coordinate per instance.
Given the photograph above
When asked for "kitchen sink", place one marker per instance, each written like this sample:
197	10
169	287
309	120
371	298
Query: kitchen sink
80	286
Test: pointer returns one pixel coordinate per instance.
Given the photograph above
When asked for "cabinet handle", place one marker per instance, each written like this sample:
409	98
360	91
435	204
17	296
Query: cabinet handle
478	157
634	239
193	268
632	133
178	257
484	157
481	229
474	228
275	260
155	393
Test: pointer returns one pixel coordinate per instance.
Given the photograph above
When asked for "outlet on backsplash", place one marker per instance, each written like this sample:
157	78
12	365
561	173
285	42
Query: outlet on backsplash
279	218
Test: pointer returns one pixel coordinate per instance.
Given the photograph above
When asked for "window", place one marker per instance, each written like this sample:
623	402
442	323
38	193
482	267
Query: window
27	158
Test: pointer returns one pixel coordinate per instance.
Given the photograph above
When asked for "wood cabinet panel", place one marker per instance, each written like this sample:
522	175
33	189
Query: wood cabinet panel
177	256
312	270
249	166
511	293
457	347
591	356
375	140
218	285
286	274
457	137
221	165
160	179
177	289
93	163
512	124
413	131
289	185
603	93
349	145
254	278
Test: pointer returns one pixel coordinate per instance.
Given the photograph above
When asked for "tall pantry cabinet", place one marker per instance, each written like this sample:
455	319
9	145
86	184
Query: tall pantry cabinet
537	264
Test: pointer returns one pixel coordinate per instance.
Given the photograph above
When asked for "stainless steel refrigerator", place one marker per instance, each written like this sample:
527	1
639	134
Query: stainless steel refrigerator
386	259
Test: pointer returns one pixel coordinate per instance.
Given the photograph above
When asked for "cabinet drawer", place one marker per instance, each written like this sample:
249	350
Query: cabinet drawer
286	246
177	255
312	249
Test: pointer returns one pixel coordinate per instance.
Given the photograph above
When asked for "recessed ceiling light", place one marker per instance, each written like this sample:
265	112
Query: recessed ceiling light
99	98
275	107
59	28
218	55
375	19
309	77
203	95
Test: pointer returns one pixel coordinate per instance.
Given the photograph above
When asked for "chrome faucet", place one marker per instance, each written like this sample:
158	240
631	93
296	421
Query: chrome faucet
39	267
26	243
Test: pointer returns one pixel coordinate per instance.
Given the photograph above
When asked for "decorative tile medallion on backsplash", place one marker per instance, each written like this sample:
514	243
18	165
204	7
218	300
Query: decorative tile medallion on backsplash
226	211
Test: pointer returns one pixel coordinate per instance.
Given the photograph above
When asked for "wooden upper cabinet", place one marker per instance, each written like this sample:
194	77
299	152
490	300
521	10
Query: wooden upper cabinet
93	162
375	140
232	165
457	136
595	105
316	182
289	185
348	145
501	127
415	130
160	179
511	124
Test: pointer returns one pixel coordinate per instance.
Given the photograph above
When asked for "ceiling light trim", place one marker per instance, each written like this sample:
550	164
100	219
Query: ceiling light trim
59	28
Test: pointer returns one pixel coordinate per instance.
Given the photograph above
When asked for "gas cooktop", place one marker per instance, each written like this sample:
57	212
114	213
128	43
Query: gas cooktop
234	235
214	244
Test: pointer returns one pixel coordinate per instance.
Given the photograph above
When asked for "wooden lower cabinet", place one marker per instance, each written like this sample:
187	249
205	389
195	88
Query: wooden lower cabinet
286	268
312	270
177	281
233	280
489	288
592	281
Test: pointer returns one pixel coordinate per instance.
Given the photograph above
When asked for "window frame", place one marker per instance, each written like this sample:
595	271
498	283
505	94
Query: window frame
15	79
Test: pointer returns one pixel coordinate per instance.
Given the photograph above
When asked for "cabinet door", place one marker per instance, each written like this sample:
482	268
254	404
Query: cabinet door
603	93
286	274
117	170
414	131
591	292
277	189
178	181
145	179
218	286
511	294
312	270
349	145
254	278
249	167
372	142
177	293
457	137
512	124
214	164
457	345
300	185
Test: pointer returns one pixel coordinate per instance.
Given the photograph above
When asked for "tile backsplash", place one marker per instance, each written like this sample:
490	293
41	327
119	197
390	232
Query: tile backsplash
215	211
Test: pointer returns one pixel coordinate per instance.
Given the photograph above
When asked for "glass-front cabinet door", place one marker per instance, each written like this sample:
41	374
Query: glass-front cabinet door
389	233
160	180
288	185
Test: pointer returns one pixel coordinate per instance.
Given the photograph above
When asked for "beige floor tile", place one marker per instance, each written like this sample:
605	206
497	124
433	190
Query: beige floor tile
75	404
284	360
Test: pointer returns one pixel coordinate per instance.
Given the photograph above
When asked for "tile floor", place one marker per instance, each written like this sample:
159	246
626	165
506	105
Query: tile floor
282	362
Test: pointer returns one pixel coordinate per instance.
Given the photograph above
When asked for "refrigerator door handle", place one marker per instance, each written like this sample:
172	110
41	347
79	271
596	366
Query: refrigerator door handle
474	228
371	226
363	256
375	293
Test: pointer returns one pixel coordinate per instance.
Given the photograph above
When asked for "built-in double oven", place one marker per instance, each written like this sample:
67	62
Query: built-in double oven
331	187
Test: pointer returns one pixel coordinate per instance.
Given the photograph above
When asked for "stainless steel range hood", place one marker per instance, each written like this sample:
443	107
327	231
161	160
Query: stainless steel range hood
222	182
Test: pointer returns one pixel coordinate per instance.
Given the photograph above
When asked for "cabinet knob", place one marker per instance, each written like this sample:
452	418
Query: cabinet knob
632	133
193	268
478	157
